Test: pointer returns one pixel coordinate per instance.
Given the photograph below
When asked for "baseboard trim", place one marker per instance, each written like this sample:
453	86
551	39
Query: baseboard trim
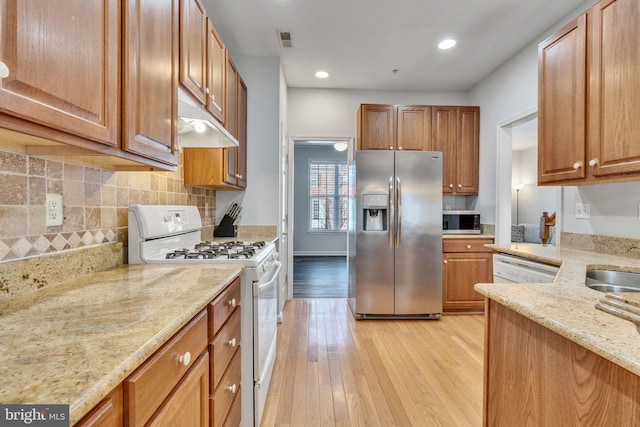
311	253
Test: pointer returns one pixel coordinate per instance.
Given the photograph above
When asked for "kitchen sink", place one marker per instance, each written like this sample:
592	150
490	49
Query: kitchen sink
613	281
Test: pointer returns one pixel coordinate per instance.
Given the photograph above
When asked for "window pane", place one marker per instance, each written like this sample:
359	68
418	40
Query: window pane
328	189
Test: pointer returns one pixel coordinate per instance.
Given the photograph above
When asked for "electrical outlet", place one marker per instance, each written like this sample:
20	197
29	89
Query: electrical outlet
582	211
53	209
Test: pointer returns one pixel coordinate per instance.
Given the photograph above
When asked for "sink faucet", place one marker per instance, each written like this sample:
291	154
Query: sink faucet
546	221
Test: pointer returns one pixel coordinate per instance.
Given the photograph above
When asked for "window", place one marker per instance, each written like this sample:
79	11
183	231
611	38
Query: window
328	196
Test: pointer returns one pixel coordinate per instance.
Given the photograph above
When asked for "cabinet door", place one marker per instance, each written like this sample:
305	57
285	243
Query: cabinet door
64	61
188	404
561	104
231	123
614	87
242	134
217	64
150	71
107	413
460	273
376	127
414	127
444	139
467	150
193	48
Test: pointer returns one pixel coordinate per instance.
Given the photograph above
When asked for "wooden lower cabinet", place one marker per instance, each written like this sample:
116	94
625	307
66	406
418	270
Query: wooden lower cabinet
107	413
188	405
465	263
536	377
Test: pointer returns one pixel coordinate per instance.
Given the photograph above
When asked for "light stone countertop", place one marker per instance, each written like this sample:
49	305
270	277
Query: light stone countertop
567	306
467	236
73	342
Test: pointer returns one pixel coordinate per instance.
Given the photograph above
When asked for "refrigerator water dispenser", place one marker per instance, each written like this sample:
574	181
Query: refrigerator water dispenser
374	209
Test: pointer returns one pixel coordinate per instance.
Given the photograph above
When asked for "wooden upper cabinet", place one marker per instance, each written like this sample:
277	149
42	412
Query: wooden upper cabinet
216	65
64	65
376	127
414	127
456	133
467	150
561	104
242	134
231	123
614	92
193	48
150	38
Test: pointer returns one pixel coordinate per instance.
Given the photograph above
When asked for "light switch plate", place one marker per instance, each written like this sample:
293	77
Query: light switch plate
582	211
53	210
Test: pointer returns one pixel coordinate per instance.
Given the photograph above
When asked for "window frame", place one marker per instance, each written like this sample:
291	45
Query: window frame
336	196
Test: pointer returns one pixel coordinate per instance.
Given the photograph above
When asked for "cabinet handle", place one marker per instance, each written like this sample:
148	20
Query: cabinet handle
232	342
232	302
577	165
4	70
185	359
232	388
445	261
593	162
206	90
468	246
450	185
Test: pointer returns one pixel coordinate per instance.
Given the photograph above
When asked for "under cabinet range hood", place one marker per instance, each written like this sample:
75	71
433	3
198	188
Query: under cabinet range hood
199	129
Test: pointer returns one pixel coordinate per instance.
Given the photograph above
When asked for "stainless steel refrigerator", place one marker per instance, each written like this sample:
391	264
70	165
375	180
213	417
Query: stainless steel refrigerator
395	234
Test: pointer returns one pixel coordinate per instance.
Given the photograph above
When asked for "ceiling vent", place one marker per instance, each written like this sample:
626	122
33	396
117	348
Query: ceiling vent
285	38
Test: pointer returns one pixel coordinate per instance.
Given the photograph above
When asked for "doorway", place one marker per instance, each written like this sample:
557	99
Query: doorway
318	209
519	199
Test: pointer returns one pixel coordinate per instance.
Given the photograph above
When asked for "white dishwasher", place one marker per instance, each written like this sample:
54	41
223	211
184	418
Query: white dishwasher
513	269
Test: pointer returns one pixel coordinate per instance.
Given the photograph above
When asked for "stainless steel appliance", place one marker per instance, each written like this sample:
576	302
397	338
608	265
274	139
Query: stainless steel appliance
161	234
461	222
395	234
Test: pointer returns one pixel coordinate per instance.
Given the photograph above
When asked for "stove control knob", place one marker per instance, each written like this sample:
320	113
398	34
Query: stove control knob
185	359
167	218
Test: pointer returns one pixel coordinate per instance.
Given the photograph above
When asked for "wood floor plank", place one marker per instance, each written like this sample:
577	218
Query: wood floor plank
332	370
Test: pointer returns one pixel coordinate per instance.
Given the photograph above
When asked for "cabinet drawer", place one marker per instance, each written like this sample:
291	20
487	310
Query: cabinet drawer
152	382
235	413
222	307
227	390
223	347
469	245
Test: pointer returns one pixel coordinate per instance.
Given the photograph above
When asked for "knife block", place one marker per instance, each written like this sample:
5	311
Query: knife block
226	228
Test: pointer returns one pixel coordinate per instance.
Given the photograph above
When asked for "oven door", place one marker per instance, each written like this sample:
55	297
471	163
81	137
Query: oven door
265	319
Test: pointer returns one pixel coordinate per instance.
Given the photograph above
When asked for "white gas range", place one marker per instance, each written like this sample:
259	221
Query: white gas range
167	234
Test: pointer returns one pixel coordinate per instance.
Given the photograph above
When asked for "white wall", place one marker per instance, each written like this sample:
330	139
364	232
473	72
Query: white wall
260	200
305	242
333	112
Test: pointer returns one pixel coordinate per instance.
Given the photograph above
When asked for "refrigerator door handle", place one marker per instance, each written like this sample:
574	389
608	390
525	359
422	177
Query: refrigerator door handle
399	208
391	212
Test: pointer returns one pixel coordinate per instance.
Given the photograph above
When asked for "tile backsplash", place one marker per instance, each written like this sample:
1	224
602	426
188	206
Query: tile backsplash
95	203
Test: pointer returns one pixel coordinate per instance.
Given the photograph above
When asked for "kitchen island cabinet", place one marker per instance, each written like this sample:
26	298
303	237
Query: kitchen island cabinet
588	93
128	120
552	358
465	263
108	413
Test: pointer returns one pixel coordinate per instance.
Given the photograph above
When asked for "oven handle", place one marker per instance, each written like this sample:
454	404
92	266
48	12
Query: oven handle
274	275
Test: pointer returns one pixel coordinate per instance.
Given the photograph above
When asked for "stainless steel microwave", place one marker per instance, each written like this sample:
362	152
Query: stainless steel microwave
461	222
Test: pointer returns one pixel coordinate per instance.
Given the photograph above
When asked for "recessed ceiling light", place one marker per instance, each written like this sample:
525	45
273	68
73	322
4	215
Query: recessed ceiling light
447	44
322	74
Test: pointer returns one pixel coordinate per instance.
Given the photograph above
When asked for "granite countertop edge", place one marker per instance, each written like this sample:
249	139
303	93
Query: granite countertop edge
156	320
467	236
567	306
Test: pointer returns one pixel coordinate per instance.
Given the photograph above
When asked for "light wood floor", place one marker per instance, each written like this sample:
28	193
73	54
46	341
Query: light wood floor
332	370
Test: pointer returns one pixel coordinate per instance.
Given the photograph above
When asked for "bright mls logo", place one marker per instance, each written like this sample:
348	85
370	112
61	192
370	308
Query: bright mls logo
34	415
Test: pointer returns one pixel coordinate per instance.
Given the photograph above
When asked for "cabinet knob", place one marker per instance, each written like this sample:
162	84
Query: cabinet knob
468	246
232	388
232	302
459	185
450	185
212	97
206	90
399	148
4	70
185	359
390	148
445	261
232	342
240	176
593	162
577	165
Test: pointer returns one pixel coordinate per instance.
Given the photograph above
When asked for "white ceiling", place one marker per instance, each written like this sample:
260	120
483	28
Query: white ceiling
360	42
